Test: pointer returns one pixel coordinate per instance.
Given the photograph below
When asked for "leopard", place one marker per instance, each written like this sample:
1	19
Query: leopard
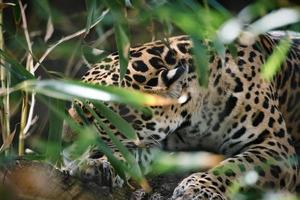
252	121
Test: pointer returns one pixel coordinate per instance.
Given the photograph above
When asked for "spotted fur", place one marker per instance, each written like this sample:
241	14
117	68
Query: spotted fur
253	122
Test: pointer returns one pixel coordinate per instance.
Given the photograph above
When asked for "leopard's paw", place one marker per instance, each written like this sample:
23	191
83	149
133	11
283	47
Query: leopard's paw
195	188
97	170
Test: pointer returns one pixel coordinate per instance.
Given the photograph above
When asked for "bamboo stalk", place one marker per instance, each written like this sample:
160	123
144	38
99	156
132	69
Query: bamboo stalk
24	112
29	67
2	77
5	83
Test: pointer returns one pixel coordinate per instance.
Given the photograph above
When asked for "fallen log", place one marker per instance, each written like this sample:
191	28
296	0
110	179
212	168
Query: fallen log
29	179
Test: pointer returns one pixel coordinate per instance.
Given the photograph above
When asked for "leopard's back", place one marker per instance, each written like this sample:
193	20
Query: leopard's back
287	82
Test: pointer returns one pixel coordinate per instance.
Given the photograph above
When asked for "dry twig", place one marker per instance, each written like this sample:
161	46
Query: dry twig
25	120
64	39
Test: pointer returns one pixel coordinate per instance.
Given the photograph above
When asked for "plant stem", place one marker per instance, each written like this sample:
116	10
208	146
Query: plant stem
23	124
5	82
2	77
29	67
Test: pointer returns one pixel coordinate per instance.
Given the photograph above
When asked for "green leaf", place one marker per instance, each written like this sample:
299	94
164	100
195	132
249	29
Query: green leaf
91	8
5	5
81	114
133	168
122	125
200	55
16	69
60	113
118	165
183	161
93	55
198	21
123	46
272	65
87	136
127	155
44	6
17	14
115	5
270	21
121	32
233	50
219	7
55	132
230	30
68	90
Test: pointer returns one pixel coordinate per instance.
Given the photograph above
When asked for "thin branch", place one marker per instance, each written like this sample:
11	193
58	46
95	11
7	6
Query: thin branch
24	127
64	39
96	43
30	115
2	79
7	105
72	58
76	68
29	67
29	63
24	112
103	37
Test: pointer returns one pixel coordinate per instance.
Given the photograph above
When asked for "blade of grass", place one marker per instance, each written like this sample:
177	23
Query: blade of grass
256	10
233	28
68	90
87	136
219	7
272	65
270	21
45	10
118	9
118	165
165	162
198	22
8	141
55	132
132	166
121	124
124	151
92	55
5	5
81	114
201	59
60	114
91	7
133	169
15	68
123	46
